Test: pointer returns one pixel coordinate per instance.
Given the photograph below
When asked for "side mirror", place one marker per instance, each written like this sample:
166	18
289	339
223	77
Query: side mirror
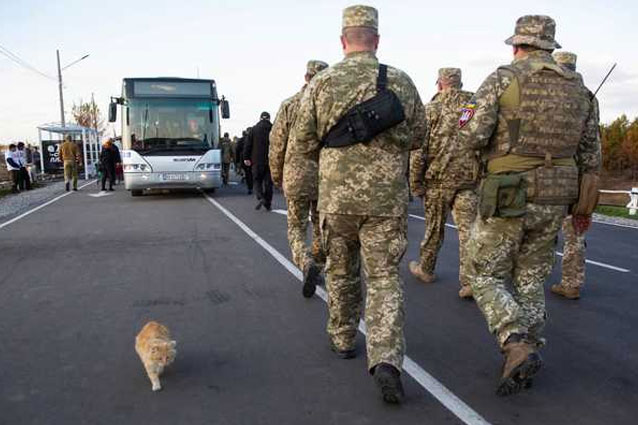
112	112
225	108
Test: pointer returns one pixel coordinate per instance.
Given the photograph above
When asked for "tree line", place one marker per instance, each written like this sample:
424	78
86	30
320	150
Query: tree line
620	146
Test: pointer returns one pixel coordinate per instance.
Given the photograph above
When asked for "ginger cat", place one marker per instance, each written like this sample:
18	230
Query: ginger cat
156	350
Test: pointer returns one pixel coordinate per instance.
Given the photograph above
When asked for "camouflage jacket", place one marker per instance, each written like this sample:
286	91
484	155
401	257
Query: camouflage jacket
227	152
286	167
478	132
441	160
361	179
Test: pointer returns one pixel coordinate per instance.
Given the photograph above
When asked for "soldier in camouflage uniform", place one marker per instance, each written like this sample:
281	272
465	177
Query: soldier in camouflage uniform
574	243
533	121
445	174
301	198
227	156
363	197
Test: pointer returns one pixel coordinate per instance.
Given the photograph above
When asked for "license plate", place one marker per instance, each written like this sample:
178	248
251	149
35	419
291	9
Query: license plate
174	177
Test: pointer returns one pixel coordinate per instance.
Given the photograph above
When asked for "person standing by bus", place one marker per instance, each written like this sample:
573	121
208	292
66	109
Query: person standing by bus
225	146
108	159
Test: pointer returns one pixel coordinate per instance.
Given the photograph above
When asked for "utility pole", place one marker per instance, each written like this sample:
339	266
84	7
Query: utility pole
60	87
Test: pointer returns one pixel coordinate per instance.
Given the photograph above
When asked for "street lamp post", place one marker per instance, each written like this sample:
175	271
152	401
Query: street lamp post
57	52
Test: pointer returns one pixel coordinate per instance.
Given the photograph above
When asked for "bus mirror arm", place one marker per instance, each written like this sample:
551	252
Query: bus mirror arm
225	107
113	107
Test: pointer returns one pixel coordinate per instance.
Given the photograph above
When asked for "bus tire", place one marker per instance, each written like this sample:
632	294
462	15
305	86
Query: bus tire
136	192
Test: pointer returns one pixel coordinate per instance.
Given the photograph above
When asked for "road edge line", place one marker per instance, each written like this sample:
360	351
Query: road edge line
39	207
446	397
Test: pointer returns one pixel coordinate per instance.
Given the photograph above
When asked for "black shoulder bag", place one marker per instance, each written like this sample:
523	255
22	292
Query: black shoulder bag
367	119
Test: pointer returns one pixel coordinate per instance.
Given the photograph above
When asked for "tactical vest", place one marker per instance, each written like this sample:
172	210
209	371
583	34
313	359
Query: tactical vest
542	113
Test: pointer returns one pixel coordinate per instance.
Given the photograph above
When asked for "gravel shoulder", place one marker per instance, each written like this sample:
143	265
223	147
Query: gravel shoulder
12	205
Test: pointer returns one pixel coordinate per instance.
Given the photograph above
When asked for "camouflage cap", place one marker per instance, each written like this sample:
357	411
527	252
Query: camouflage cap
360	16
566	59
451	76
535	30
315	66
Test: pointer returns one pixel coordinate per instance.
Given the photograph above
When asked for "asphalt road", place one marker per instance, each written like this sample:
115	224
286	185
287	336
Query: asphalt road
83	274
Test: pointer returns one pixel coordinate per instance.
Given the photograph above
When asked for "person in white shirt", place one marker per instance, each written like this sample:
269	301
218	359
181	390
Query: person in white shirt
24	181
12	160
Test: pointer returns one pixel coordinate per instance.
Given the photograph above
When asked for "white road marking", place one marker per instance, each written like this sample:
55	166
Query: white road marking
446	397
39	207
596	263
451	226
100	194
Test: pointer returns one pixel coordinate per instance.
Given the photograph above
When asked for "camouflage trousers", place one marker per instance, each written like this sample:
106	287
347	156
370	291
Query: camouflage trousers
299	209
437	204
573	256
520	252
377	245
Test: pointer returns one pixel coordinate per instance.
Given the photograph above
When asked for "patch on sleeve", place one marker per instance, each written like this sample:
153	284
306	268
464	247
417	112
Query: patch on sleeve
467	112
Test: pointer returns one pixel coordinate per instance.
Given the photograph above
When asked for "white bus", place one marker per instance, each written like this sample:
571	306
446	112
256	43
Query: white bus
170	128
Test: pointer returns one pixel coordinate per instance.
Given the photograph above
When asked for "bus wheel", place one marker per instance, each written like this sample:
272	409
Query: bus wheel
136	193
211	190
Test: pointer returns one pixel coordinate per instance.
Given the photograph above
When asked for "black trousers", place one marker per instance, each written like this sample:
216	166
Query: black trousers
24	181
225	172
15	180
248	171
263	185
108	172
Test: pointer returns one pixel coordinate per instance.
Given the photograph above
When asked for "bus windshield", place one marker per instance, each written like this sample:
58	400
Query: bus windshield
159	126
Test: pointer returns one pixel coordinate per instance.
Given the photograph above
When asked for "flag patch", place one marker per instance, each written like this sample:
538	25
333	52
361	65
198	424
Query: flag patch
467	112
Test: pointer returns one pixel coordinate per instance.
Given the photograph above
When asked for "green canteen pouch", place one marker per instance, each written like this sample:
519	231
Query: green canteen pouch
503	195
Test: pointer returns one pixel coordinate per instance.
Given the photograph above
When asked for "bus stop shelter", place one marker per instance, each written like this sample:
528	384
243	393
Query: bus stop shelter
51	136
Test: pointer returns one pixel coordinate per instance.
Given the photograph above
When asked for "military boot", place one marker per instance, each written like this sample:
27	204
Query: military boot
388	380
311	278
564	291
466	292
349	353
520	365
67	186
417	271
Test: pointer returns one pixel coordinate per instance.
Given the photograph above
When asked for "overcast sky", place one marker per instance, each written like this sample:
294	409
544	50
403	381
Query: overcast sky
257	50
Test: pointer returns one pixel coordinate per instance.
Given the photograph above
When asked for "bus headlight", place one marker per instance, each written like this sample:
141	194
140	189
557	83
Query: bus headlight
144	168
204	166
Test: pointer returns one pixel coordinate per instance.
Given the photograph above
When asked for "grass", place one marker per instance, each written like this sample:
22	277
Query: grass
615	212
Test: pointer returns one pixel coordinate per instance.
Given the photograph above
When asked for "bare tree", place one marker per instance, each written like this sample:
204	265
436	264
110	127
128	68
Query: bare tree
87	114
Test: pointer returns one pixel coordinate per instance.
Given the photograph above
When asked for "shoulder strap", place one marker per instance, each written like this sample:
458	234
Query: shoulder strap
382	79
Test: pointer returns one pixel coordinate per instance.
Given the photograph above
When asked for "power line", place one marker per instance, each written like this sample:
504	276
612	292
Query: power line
18	60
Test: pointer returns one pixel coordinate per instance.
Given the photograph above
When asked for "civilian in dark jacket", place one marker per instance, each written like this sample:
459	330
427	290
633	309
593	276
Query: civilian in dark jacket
256	148
108	158
248	171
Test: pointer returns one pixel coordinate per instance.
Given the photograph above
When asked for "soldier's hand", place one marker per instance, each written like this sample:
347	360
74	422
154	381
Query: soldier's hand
247	162
581	223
